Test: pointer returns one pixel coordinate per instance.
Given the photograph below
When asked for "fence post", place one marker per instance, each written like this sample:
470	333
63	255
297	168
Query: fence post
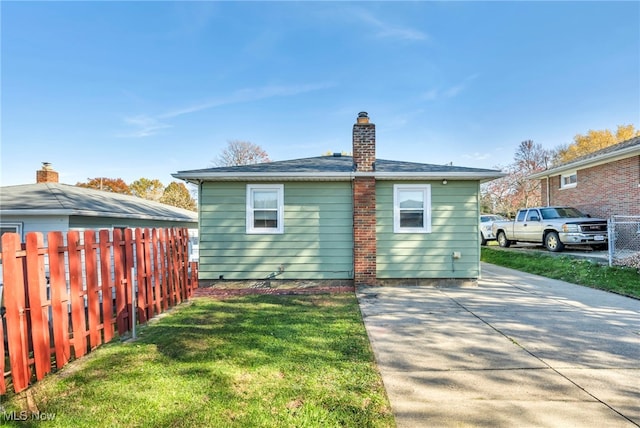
14	299
611	238
134	311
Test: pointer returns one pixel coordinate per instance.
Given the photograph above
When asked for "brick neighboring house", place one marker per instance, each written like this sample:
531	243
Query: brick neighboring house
602	184
340	218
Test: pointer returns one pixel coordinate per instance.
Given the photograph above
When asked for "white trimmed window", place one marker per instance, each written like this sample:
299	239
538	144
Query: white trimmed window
10	228
412	208
569	180
265	208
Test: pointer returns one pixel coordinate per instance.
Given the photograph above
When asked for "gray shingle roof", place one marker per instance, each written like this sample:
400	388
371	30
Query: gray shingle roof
72	200
336	166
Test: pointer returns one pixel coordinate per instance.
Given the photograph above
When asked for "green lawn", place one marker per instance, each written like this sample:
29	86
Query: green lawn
253	361
620	280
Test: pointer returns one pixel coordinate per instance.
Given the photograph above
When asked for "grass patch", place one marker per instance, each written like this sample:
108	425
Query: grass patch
620	280
252	361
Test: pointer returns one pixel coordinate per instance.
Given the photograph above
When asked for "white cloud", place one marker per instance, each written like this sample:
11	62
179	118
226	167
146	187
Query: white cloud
451	91
386	30
477	156
147	125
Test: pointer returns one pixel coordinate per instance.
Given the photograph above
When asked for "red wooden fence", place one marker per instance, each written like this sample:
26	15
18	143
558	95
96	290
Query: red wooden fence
65	299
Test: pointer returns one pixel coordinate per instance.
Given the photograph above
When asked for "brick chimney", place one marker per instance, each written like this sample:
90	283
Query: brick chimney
364	201
46	174
364	144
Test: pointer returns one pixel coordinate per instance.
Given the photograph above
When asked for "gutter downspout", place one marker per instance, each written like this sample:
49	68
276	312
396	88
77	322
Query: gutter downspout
548	191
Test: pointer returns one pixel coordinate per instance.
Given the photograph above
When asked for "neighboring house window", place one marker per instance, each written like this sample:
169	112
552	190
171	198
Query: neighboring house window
265	208
412	208
10	228
569	180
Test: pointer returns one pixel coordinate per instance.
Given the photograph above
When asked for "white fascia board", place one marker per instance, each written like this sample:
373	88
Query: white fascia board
67	212
482	176
264	176
39	212
588	163
338	176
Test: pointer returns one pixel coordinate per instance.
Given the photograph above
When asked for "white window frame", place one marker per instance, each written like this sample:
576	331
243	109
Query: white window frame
279	189
568	175
15	225
426	190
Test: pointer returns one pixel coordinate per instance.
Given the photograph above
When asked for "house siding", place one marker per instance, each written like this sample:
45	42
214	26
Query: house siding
317	242
601	191
39	223
455	227
81	222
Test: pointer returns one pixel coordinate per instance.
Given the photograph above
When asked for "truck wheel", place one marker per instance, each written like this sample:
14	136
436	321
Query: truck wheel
553	243
482	240
502	240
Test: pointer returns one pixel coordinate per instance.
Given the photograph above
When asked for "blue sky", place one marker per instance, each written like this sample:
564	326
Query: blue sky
145	89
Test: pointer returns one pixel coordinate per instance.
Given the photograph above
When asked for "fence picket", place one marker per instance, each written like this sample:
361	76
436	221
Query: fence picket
78	321
164	283
38	305
93	296
130	284
59	298
119	280
107	286
141	277
156	272
148	273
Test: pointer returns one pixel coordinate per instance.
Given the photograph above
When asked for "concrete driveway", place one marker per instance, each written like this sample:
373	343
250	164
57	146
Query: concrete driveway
518	350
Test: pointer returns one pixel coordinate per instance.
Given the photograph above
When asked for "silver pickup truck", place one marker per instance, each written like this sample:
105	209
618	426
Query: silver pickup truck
554	227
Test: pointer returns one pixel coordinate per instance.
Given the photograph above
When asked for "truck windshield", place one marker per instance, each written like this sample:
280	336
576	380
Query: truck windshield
565	212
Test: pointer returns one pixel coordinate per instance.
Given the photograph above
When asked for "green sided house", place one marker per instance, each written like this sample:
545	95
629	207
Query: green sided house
356	218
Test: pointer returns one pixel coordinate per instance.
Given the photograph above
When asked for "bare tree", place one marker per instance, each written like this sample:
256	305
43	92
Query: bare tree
507	194
241	153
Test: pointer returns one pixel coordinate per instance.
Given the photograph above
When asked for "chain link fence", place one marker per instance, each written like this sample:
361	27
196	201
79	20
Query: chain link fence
624	241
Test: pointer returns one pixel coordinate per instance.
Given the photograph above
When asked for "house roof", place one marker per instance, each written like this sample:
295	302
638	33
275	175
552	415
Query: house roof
336	167
608	154
64	199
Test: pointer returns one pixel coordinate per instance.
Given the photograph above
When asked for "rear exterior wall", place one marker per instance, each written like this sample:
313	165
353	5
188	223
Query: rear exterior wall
317	242
454	228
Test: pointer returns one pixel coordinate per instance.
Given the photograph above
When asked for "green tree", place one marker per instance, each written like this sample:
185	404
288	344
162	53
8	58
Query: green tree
593	141
114	185
147	189
241	153
177	195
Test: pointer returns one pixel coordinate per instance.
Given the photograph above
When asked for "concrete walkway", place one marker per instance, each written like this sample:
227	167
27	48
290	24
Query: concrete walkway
518	350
